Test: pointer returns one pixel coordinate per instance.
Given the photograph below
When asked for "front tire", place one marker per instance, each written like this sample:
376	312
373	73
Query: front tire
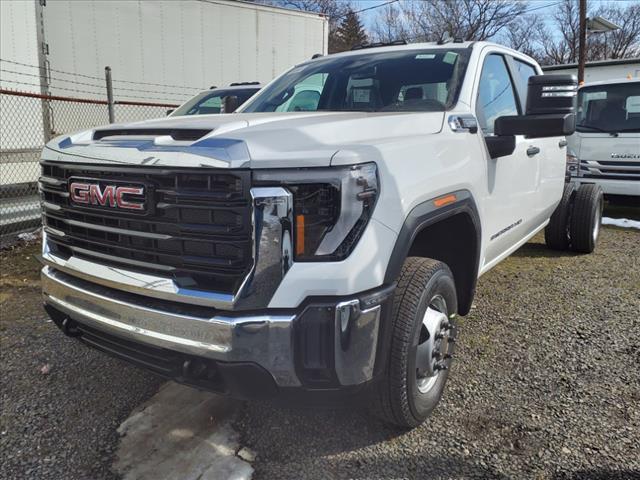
586	217
422	339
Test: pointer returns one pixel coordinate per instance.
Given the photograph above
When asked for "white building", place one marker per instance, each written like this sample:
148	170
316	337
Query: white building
600	70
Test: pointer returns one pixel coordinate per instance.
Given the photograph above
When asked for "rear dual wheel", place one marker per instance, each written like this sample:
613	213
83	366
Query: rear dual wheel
422	341
575	224
586	218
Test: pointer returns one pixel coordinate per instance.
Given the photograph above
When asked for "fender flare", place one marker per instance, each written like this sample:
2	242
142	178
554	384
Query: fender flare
426	214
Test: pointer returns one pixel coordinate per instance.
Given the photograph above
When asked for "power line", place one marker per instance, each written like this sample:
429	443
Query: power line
540	7
374	7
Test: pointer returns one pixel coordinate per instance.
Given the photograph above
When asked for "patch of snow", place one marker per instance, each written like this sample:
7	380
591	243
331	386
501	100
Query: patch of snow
621	222
28	237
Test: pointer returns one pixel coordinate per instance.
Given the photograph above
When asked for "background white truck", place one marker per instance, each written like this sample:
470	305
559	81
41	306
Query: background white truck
605	149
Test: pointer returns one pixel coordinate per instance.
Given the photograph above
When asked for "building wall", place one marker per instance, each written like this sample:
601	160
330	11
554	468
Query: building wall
601	72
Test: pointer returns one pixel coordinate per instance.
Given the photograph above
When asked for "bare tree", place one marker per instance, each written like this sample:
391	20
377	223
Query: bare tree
559	44
622	43
389	25
524	34
466	19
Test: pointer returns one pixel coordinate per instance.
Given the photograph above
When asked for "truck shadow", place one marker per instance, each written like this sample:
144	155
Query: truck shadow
348	442
598	474
533	250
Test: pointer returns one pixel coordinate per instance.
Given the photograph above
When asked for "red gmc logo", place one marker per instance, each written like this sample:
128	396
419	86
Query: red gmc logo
113	196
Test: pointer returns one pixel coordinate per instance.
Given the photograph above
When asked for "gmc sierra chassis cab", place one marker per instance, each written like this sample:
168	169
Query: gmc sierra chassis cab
319	252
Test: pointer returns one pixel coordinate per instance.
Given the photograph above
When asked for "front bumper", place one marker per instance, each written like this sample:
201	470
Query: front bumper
328	343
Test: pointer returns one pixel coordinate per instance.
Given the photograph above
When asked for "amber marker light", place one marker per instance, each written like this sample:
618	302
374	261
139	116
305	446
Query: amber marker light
445	200
299	234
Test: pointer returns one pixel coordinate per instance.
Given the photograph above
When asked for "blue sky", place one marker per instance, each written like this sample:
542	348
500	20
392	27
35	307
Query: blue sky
369	16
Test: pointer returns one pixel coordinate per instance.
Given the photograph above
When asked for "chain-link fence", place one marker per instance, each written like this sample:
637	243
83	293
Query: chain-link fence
27	121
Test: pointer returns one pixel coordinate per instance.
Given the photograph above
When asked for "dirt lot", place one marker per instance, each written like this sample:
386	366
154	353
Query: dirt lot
546	385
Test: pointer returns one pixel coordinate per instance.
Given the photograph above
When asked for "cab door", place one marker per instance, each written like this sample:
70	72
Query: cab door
549	153
512	182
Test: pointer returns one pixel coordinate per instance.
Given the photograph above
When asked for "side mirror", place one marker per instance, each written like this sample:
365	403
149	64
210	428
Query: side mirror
500	146
550	109
229	104
170	111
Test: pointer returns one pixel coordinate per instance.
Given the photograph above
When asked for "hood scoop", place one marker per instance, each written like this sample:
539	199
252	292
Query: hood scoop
178	134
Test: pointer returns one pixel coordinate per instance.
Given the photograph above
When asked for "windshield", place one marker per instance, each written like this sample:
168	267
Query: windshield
611	108
211	102
406	80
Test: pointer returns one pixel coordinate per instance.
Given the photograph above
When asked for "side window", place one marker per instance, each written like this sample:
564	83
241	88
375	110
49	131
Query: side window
496	95
524	71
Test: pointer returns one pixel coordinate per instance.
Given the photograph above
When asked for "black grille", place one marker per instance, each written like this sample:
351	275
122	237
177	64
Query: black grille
196	229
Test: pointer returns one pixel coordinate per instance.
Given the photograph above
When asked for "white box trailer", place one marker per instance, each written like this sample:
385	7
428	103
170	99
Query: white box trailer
190	43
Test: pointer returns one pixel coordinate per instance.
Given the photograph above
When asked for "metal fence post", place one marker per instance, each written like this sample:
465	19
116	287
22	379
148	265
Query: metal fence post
107	76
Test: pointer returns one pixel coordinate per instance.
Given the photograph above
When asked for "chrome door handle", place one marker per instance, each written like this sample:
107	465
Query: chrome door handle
531	151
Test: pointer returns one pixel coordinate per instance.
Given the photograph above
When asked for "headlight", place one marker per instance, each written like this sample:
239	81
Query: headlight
573	164
332	207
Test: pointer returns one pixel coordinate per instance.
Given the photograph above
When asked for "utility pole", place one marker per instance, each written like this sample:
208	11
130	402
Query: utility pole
582	48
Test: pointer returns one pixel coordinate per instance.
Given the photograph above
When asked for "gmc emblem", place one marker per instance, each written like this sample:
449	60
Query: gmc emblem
92	194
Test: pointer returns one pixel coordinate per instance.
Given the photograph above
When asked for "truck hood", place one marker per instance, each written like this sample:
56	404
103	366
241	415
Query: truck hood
243	140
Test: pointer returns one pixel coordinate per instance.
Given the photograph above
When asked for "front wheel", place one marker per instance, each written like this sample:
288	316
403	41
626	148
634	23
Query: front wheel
422	340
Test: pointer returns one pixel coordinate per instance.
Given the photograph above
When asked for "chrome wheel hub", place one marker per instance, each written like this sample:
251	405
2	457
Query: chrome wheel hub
596	222
433	351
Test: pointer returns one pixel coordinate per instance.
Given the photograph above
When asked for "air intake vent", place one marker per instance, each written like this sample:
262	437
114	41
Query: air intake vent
176	134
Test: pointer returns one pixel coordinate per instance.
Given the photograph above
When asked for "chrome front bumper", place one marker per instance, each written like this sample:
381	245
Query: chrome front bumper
265	339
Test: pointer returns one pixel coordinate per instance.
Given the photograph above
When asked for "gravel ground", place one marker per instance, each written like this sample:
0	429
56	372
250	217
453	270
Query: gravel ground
61	424
546	385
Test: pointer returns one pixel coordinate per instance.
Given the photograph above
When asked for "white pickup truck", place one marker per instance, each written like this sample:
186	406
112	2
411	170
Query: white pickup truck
316	253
